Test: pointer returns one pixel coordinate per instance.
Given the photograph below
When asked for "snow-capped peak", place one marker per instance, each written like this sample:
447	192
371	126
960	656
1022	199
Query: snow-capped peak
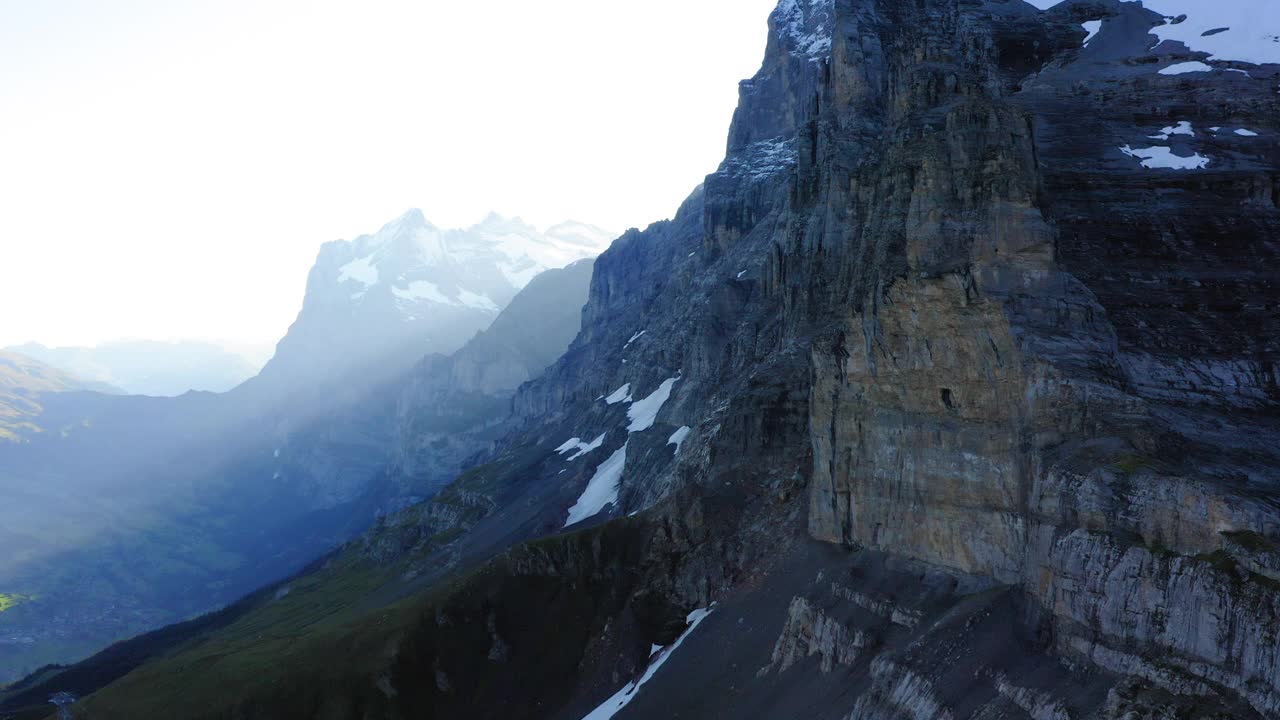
577	233
410	263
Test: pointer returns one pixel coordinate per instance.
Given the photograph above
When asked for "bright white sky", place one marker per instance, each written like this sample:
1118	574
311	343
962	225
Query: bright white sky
168	168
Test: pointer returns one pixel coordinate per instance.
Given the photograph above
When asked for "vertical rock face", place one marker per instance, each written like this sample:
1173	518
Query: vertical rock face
1031	355
1057	365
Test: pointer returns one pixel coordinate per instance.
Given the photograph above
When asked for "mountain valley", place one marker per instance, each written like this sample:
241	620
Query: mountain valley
132	512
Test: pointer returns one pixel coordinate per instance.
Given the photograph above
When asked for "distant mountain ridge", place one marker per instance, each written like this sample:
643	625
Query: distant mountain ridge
148	367
23	380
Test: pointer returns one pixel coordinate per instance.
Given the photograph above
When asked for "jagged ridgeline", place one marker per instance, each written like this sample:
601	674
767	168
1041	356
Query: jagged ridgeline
951	394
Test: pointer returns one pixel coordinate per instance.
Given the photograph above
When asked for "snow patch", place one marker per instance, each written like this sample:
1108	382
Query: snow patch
1182	128
582	447
1240	30
677	438
642	413
1183	68
634	338
1246	132
1251	27
419	290
657	657
426	291
1163	157
360	270
622	394
1092	27
601	490
494	253
479	302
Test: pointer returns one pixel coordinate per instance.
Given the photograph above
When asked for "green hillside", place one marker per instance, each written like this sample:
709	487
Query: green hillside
22	382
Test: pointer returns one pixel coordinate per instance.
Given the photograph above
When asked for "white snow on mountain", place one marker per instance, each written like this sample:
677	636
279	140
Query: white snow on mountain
1159	157
658	655
1182	128
678	437
1092	27
1248	30
422	290
581	448
1240	30
413	264
526	252
580	234
477	301
805	26
601	490
622	394
361	270
643	413
1182	68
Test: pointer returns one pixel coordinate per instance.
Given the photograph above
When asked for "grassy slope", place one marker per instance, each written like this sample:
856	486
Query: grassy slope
329	625
324	652
22	381
252	646
313	632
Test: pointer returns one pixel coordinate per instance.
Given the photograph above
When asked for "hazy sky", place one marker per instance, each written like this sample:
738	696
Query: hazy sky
168	168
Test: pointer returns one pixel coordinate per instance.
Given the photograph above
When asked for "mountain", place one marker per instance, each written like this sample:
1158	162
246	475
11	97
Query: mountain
143	511
411	289
23	379
951	394
142	367
452	407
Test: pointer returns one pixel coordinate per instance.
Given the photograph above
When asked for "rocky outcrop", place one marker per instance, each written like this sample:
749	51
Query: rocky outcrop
810	631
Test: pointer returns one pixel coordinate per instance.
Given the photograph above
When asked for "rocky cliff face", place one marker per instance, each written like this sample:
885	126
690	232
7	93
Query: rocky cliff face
951	394
1036	353
1052	388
